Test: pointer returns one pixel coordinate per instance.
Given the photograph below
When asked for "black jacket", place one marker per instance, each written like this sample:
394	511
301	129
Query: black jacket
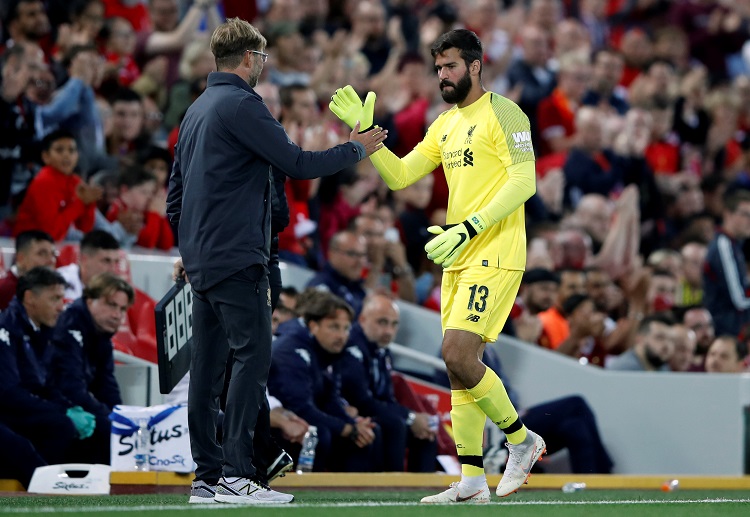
220	189
83	365
27	396
366	377
306	378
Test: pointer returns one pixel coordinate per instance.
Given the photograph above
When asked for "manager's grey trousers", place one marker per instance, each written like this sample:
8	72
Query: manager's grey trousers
236	314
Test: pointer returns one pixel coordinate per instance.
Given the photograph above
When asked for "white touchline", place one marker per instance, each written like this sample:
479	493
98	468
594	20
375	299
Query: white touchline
292	506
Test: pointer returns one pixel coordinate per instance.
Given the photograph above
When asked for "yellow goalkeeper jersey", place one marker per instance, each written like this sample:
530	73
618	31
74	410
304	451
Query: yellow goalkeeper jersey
476	145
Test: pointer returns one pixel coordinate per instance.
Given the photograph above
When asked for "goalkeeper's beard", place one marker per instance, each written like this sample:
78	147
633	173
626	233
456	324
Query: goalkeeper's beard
460	90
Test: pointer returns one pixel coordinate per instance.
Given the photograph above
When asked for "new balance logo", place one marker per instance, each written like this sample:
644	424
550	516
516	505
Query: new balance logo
442	140
472	317
468	158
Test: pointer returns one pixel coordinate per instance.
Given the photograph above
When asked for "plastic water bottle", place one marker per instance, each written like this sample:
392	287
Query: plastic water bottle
569	488
434	421
142	445
307	454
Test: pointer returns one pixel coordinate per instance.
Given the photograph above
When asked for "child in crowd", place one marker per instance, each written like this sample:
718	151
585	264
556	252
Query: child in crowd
57	198
137	187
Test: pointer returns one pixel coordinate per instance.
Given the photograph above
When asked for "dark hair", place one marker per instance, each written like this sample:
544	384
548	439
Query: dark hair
290	290
107	284
134	176
410	58
75	50
97	240
740	346
124	95
286	93
38	278
78	7
25	239
733	198
154	152
324	305
664	318
11	12
467	42
572	302
58	134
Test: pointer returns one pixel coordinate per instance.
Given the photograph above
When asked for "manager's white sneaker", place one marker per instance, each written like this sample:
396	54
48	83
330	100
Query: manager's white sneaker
202	493
248	491
520	460
459	493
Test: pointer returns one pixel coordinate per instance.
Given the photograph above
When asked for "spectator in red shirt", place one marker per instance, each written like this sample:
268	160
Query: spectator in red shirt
663	152
556	113
33	249
137	187
119	46
134	12
57	198
638	51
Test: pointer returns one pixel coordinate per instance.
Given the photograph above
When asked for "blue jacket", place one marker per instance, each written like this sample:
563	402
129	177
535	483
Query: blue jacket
83	366
366	377
725	285
220	188
352	292
306	378
27	395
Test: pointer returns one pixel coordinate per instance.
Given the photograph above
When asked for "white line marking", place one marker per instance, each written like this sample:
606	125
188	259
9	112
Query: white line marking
94	509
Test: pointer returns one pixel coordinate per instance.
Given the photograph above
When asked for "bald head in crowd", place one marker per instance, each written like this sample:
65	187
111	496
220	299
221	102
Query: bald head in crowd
379	319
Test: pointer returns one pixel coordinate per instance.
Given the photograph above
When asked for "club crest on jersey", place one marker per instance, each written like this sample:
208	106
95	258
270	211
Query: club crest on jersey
469	134
445	137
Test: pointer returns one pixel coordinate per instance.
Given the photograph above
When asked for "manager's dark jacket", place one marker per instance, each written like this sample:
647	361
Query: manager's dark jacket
220	189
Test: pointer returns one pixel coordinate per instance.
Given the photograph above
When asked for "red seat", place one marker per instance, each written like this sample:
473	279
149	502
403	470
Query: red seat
143	325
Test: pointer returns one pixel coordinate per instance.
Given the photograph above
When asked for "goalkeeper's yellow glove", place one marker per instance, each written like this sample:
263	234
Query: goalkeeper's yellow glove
348	107
452	239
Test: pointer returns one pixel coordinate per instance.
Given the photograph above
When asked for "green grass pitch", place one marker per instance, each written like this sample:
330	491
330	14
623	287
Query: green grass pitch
395	503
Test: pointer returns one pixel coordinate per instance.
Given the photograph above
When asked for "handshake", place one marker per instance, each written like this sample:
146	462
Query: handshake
450	240
347	106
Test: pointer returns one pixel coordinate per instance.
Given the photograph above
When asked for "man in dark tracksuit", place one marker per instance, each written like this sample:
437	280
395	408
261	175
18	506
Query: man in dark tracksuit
725	283
83	364
219	201
30	404
306	378
366	384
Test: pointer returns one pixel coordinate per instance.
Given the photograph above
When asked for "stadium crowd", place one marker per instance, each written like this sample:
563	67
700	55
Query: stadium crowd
640	122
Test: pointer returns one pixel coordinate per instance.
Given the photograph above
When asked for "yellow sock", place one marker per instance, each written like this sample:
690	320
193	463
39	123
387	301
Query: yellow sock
491	397
468	432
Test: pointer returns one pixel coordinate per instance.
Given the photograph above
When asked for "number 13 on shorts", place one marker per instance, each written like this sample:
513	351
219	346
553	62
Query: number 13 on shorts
478	299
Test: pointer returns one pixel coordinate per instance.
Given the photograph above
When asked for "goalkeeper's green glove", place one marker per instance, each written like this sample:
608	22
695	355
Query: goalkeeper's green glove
452	239
348	107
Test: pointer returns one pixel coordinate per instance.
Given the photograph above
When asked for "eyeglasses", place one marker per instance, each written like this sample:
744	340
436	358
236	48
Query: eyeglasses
263	55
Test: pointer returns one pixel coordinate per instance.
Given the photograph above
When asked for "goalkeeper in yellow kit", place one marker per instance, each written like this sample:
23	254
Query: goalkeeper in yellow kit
484	145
